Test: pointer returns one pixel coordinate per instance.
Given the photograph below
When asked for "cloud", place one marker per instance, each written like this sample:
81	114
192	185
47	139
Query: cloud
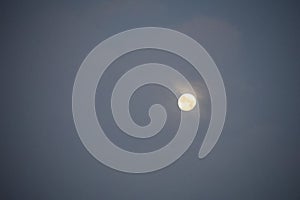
220	38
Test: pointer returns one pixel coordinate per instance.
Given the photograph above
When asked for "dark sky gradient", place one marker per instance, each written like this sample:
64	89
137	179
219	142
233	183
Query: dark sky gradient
256	46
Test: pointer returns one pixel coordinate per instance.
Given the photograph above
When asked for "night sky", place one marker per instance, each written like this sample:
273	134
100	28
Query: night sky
256	47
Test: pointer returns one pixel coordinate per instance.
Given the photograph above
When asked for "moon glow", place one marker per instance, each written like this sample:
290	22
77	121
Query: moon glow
187	102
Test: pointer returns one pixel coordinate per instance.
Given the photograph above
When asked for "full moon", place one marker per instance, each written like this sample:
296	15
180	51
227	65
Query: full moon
187	102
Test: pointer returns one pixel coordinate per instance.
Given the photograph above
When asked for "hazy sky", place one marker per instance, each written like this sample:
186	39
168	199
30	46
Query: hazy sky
256	47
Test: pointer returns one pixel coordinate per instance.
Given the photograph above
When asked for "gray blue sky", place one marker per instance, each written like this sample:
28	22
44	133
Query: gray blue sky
256	47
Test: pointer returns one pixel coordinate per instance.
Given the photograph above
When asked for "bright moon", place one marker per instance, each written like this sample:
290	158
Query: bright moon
187	102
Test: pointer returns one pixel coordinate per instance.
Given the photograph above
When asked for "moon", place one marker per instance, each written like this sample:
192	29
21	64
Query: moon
187	102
